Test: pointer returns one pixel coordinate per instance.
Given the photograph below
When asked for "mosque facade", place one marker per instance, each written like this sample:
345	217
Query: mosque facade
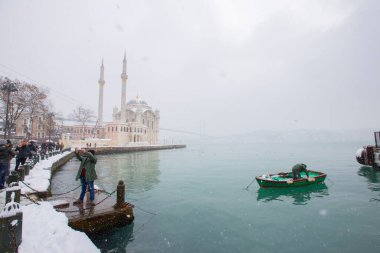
135	122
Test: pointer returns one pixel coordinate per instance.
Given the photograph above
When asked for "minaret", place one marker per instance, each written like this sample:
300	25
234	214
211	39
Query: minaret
124	78
138	110
100	103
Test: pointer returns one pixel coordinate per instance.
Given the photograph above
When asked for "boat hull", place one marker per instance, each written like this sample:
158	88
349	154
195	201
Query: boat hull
287	182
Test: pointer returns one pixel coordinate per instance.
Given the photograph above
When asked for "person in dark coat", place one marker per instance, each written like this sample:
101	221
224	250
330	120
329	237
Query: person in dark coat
86	174
61	146
23	153
297	169
32	149
11	155
6	154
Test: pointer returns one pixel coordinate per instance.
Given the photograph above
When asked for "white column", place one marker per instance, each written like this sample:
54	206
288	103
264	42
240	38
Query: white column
124	78
100	102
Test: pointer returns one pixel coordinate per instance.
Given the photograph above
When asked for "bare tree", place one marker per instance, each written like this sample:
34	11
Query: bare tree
36	104
82	115
19	97
50	125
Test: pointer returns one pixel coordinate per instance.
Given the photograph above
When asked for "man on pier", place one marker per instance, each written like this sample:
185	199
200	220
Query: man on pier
86	174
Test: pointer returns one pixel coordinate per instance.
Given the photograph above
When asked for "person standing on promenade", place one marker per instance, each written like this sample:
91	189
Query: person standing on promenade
11	156
32	149
61	146
86	174
6	154
23	153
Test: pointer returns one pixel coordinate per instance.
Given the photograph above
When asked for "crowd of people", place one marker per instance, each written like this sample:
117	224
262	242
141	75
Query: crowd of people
25	149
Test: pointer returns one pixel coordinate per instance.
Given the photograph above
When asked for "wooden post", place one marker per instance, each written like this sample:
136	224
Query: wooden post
120	195
26	169
21	173
13	177
15	193
10	227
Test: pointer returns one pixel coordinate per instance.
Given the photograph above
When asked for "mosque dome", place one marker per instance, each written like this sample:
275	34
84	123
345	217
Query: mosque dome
137	101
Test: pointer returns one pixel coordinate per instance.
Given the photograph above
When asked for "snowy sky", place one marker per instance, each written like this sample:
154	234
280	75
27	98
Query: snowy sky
221	66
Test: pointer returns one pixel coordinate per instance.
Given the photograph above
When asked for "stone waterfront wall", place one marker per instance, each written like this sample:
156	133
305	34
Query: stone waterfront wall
117	150
58	164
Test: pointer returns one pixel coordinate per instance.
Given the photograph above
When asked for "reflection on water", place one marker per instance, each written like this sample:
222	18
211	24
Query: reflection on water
300	195
115	240
139	170
373	177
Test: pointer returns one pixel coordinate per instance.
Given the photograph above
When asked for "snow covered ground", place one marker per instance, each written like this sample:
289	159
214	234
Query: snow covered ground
45	230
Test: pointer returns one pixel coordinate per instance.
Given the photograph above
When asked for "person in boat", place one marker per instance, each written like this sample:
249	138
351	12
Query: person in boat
297	169
86	174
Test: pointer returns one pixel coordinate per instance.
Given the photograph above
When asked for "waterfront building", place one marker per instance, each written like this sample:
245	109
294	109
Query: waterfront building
38	127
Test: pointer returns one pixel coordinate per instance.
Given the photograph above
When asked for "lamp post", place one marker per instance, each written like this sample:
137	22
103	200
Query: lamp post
9	87
50	115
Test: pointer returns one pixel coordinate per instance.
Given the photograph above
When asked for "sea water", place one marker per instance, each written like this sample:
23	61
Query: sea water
197	200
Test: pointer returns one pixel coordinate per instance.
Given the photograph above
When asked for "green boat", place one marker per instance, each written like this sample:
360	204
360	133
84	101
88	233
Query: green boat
285	179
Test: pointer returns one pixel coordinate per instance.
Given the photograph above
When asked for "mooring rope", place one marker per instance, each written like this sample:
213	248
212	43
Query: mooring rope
330	180
145	211
142	225
246	188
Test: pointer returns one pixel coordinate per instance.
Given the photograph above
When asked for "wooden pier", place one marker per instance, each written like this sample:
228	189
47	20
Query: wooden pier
106	214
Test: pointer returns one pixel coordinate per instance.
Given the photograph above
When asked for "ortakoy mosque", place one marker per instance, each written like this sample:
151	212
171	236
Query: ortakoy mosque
134	122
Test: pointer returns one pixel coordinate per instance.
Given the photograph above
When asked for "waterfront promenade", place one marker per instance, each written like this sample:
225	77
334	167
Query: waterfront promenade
43	227
45	230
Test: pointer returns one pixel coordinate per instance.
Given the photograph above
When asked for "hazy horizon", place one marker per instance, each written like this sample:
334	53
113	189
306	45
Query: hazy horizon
216	67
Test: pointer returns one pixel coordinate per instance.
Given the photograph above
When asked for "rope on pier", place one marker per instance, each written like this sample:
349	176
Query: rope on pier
59	194
87	208
26	196
34	190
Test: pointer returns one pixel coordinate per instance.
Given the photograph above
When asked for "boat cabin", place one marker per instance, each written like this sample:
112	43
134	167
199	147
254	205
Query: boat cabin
377	140
370	155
